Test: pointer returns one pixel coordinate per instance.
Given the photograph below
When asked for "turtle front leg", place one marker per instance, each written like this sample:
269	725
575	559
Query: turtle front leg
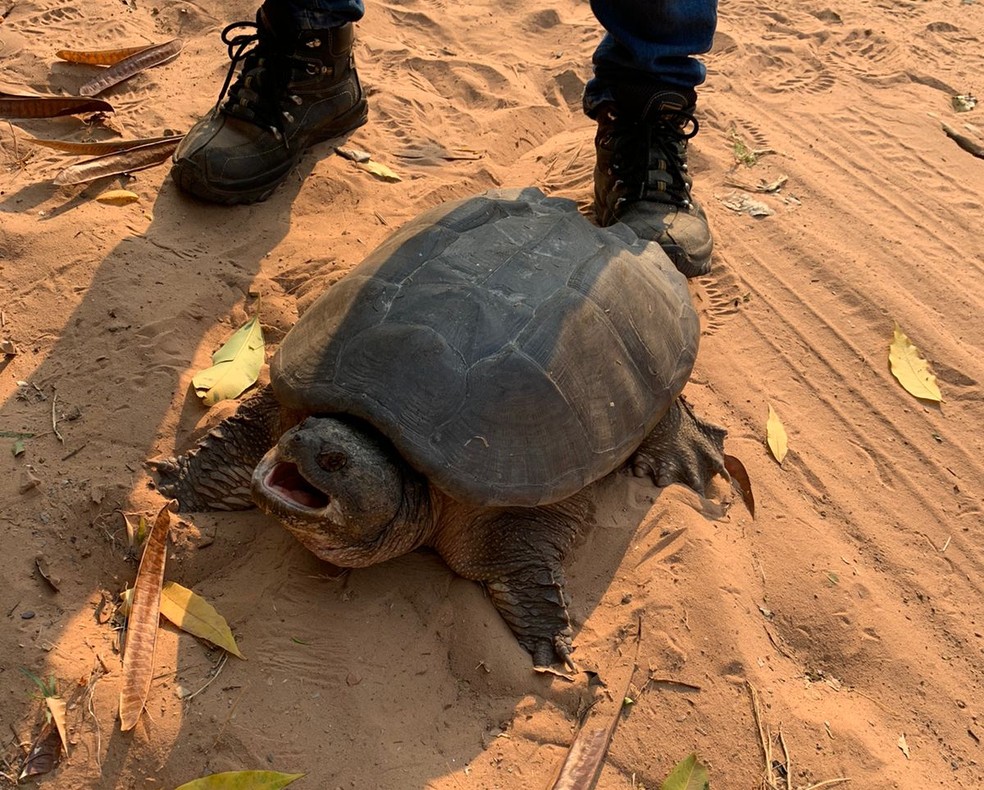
682	448
518	555
215	474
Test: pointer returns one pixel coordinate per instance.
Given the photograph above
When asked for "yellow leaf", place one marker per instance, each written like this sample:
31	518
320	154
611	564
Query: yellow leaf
379	170
242	780
911	369
235	366
56	705
192	613
776	436
118	197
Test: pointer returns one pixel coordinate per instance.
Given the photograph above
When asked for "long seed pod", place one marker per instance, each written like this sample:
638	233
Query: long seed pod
129	161
99	57
141	632
97	149
128	67
13	106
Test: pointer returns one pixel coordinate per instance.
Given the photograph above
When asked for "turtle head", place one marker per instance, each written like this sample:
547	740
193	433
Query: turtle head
342	490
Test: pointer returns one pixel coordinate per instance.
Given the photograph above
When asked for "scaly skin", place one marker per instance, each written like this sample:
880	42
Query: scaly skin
346	494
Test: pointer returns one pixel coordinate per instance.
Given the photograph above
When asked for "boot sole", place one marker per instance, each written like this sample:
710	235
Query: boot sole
192	181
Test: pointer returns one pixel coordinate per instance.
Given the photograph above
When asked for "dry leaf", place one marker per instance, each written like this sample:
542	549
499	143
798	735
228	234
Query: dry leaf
141	632
136	533
7	347
192	613
235	366
128	67
353	154
379	170
97	149
746	204
42	566
45	753
56	707
911	369
904	746
14	106
99	57
118	197
776	436
242	780
740	478
128	161
586	755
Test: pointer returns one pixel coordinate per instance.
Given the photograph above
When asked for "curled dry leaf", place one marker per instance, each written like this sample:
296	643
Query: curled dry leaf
118	197
141	633
45	753
14	106
740	479
132	65
128	161
242	780
56	707
911	370
192	613
776	436
97	149
99	57
235	366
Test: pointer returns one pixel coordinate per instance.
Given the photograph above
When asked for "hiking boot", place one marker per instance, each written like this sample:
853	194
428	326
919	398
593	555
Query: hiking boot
641	178
295	89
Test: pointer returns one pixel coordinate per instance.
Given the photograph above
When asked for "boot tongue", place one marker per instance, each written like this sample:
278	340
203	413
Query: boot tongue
647	103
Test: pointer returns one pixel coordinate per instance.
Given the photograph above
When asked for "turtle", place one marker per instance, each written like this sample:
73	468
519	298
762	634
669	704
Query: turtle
464	388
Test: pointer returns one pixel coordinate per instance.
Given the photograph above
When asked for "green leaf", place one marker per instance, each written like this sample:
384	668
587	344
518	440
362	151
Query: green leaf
242	780
689	774
911	369
192	613
235	366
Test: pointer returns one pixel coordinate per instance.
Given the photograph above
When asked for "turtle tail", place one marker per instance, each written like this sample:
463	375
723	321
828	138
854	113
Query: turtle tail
215	474
682	448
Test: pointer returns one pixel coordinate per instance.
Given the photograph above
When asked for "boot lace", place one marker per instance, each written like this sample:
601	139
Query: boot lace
265	73
649	159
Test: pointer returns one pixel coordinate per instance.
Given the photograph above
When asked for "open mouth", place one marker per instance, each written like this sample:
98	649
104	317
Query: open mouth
285	480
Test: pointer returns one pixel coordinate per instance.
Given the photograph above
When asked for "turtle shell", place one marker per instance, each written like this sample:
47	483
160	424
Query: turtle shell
509	349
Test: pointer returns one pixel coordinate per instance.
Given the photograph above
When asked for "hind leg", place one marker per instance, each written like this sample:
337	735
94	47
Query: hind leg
683	449
216	473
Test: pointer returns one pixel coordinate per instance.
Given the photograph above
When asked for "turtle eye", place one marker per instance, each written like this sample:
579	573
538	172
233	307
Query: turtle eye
332	461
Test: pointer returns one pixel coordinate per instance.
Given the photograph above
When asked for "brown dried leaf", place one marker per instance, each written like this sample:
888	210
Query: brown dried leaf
45	753
14	106
99	57
42	565
141	634
144	59
740	478
56	707
586	755
129	161
97	149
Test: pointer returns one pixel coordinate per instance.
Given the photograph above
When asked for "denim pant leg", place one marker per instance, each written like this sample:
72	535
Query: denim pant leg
322	14
649	43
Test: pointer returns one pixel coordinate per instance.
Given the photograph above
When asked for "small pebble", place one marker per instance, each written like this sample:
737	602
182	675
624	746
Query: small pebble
27	615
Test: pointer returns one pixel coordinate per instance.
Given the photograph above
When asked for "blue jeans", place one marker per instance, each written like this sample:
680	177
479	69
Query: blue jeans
647	43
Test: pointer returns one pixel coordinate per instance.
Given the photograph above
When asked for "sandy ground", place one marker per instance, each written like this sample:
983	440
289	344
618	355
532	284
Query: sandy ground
852	604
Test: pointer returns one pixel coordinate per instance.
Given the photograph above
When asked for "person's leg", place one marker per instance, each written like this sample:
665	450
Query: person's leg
297	87
643	96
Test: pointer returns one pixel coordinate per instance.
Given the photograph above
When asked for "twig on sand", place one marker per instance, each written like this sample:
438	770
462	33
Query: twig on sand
215	674
770	777
54	419
785	757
